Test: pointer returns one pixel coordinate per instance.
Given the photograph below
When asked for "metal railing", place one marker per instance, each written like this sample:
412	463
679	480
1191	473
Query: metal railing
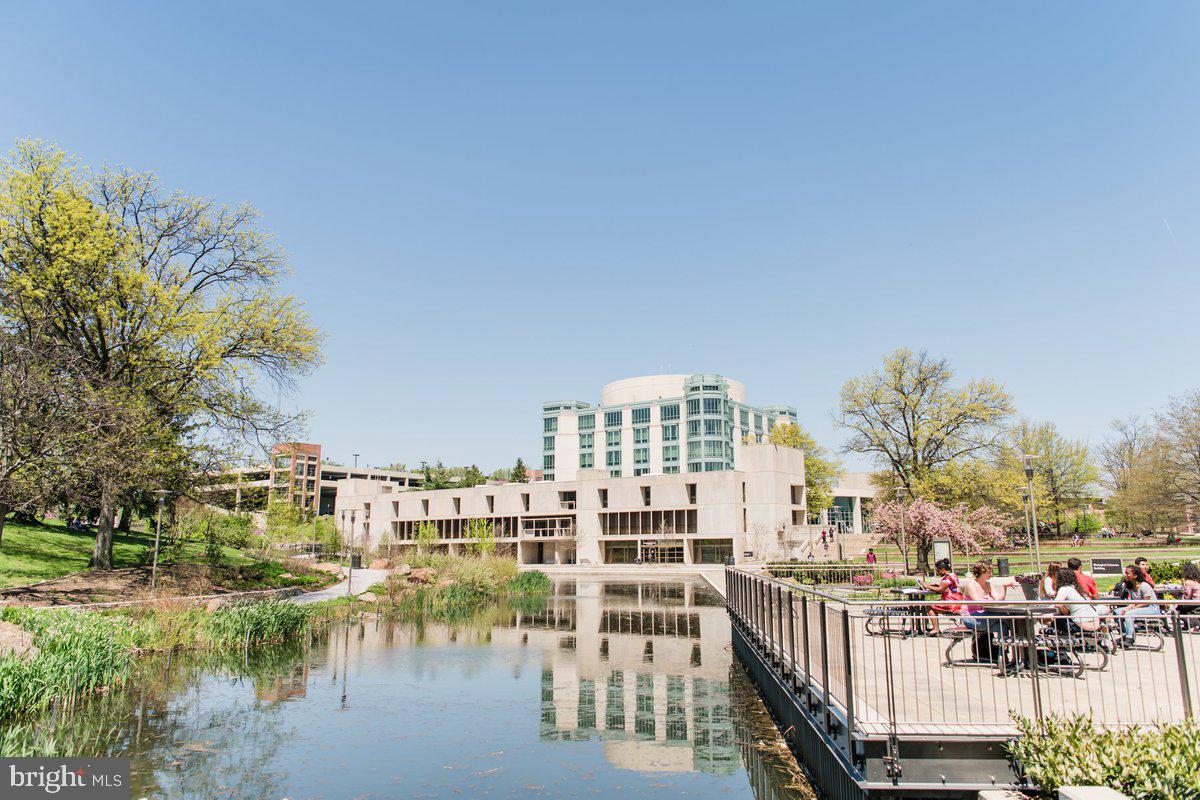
895	667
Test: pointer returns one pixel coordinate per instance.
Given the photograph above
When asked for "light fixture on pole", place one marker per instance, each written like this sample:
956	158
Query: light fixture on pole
356	460
1028	458
350	554
1025	519
161	494
900	487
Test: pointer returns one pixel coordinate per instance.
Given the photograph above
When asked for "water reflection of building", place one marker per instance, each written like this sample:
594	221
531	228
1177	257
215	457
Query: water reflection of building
640	666
283	686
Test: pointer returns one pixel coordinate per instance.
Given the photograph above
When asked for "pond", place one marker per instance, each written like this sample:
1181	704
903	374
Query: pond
608	689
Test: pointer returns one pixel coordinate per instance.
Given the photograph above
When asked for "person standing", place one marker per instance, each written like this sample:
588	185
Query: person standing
871	555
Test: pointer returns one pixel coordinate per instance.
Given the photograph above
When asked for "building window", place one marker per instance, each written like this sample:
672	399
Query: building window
586	460
646	496
671	453
671	470
640	416
711	450
714	427
691	491
425	506
525	501
695	466
547	442
491	503
668	413
612	419
693	427
758	423
587	422
638	471
744	416
641	455
547	462
612	438
693	406
550	424
712	405
641	435
586	441
694	449
602	494
670	432
457	505
613	458
614	473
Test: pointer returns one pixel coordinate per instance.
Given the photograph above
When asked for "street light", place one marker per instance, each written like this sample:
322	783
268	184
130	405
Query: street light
1025	519
161	494
356	460
1028	459
350	555
900	487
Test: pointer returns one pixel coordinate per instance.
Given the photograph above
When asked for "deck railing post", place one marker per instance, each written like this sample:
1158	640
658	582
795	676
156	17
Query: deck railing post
1185	685
779	621
769	628
791	612
1031	648
825	664
807	649
849	681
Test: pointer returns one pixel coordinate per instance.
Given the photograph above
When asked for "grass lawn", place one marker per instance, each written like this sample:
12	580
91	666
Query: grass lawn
1155	549
32	553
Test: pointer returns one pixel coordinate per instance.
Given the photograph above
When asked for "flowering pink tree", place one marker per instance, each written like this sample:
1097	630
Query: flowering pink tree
924	521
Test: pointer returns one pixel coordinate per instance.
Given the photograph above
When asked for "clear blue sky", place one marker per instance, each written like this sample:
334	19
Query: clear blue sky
488	205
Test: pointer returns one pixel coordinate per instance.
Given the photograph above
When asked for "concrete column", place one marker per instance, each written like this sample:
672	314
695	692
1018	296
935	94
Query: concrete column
858	521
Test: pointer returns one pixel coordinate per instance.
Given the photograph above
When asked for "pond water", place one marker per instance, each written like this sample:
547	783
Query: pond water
609	689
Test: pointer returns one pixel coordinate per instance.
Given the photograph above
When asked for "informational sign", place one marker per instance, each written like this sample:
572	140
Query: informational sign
941	549
1107	566
747	554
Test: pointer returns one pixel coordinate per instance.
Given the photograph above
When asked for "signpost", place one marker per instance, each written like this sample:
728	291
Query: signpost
1107	566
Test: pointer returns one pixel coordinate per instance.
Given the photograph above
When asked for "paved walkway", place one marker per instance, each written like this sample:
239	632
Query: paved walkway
362	580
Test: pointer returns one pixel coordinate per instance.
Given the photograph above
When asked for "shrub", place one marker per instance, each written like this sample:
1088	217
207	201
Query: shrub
530	582
254	623
1166	571
1151	763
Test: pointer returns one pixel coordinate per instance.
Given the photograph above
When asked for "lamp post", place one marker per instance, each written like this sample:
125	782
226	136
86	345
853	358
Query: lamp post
1025	513
356	460
1037	550
900	487
350	555
161	494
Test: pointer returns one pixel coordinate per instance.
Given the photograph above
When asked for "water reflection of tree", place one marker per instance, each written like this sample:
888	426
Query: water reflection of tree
770	767
183	739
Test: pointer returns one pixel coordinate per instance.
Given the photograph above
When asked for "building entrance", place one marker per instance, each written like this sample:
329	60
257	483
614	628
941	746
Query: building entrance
662	551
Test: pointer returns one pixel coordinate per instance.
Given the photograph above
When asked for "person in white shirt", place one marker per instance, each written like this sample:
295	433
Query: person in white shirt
1077	614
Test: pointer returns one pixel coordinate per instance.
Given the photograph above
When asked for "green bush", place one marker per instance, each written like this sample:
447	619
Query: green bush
1166	571
530	582
1159	763
255	623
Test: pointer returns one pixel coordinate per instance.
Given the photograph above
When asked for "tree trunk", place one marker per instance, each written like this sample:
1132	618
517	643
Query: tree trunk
923	551
3	515
102	550
126	519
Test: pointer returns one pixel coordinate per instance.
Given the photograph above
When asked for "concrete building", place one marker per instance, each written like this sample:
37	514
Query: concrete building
754	512
655	425
296	474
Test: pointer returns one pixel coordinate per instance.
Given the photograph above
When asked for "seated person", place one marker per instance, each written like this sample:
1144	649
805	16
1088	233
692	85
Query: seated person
1190	607
1076	615
977	586
947	586
1086	583
1143	563
1139	590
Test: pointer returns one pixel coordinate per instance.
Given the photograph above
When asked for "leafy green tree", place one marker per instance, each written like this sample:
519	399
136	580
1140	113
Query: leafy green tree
913	420
481	536
427	534
436	476
1064	471
472	476
820	469
160	301
519	473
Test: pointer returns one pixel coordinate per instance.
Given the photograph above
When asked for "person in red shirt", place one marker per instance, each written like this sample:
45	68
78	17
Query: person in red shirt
1144	563
1087	584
